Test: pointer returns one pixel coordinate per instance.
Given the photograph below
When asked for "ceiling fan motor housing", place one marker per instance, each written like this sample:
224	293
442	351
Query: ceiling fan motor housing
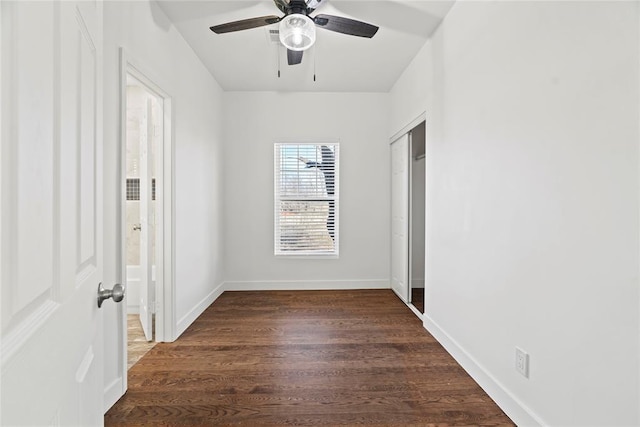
297	6
297	32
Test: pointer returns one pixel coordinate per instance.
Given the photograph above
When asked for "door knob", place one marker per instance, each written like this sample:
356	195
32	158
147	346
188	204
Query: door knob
117	293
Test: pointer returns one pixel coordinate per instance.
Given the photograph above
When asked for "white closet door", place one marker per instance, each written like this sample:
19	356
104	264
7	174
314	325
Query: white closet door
400	217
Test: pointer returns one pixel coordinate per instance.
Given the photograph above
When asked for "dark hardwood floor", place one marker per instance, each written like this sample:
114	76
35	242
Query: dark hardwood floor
307	358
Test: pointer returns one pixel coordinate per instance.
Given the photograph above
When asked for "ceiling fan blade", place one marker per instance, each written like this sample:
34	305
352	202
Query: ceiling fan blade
294	57
345	25
245	24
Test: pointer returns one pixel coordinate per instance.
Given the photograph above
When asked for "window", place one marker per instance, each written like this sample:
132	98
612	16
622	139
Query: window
306	199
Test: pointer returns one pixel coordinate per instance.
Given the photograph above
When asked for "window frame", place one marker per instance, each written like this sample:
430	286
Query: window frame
278	198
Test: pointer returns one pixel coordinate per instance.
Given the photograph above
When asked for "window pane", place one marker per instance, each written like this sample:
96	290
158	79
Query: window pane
303	226
306	199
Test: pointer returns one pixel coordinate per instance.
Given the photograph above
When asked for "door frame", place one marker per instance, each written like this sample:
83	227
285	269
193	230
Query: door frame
409	126
406	130
164	290
412	218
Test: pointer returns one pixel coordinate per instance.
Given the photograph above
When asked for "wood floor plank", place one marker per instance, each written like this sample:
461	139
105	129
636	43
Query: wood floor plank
306	358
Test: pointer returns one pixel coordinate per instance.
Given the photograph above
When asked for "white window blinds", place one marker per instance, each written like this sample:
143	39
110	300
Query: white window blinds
306	198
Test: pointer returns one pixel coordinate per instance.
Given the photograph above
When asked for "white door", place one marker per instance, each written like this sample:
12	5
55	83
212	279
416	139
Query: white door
400	217
146	218
51	216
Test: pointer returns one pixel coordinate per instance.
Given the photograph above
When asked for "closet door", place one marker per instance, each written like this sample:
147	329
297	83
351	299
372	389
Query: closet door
400	217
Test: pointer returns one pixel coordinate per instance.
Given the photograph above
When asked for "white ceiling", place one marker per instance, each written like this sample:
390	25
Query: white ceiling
248	60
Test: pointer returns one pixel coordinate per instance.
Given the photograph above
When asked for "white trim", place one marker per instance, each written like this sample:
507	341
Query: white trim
307	285
112	393
198	309
165	301
410	220
395	291
121	264
2	139
412	124
512	406
638	160
426	215
415	311
7	162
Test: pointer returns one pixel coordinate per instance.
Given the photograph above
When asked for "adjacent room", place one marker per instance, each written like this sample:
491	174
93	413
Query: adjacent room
410	212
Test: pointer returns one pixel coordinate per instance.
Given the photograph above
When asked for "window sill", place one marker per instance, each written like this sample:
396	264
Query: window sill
300	256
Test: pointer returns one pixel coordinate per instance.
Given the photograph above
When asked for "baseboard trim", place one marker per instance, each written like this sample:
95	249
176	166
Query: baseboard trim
112	393
513	407
306	285
196	311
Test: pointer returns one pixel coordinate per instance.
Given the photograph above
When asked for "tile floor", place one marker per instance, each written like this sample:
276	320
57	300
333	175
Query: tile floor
137	344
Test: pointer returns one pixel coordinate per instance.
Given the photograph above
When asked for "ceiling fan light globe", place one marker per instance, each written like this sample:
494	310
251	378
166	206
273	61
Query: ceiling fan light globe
297	32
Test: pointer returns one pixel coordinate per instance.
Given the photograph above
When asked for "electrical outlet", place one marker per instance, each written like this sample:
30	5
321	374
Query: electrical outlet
522	362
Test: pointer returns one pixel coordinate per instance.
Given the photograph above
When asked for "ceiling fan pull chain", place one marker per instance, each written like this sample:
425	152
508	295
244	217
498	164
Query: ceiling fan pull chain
278	61
315	52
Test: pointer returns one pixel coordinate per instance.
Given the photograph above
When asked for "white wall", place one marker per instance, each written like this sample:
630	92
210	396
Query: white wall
410	93
253	123
533	203
148	38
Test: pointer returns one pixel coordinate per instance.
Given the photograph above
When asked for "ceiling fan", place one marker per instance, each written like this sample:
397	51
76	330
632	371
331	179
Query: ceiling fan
297	28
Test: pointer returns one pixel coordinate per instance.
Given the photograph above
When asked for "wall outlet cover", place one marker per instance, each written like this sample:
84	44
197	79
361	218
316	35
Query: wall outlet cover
522	362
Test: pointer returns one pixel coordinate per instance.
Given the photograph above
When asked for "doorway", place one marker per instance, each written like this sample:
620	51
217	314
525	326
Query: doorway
146	236
408	206
144	134
417	203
